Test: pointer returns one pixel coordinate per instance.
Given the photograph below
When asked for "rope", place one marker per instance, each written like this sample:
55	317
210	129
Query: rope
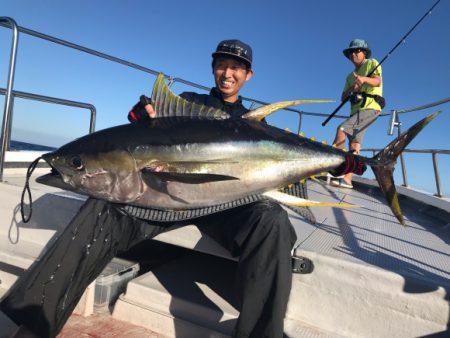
26	188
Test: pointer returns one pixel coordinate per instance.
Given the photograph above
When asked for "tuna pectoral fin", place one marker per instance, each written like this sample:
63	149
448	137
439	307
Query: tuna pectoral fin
150	176
300	202
383	167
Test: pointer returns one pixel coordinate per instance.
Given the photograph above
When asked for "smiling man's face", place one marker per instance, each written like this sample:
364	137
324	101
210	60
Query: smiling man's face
230	75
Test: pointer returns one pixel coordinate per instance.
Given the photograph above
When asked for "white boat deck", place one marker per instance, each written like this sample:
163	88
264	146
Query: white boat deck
371	235
372	277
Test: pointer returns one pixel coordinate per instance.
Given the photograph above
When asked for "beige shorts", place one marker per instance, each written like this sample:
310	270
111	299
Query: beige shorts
355	126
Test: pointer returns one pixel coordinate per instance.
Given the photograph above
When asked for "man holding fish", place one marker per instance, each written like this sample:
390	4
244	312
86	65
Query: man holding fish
260	234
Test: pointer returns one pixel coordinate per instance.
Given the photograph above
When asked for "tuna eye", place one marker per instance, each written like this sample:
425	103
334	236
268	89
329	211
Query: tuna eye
76	162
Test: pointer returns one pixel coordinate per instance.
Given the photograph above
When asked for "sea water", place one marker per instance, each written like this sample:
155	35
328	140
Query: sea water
17	145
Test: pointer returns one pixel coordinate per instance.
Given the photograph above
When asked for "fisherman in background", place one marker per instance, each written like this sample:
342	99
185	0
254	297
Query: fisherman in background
365	95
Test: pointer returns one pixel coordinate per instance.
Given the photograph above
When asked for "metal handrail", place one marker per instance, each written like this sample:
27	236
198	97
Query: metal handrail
425	106
141	68
6	127
10	94
49	99
4	21
81	48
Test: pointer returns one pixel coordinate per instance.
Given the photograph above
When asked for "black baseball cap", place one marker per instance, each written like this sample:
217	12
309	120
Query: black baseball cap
236	49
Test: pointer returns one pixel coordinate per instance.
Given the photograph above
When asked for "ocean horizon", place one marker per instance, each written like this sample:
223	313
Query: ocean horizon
18	145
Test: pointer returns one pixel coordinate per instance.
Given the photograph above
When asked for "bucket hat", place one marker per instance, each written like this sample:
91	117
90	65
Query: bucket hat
236	49
358	44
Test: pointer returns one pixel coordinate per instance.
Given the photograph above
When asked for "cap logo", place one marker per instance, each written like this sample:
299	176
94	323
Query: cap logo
234	49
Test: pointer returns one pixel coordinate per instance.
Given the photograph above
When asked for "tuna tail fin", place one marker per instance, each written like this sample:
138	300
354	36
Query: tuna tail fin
386	159
259	113
167	104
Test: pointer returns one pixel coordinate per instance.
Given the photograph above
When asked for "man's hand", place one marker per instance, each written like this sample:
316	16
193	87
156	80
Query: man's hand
359	81
142	111
352	164
373	81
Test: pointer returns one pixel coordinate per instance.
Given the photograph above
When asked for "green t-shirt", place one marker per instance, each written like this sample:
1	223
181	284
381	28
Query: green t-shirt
364	70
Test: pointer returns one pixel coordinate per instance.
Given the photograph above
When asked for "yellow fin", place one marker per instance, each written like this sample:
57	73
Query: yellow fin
167	104
261	112
300	202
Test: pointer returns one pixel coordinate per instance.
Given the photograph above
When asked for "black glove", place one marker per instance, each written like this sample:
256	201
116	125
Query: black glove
138	112
352	164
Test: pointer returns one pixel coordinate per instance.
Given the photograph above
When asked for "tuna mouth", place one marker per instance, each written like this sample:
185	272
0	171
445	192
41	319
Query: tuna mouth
54	179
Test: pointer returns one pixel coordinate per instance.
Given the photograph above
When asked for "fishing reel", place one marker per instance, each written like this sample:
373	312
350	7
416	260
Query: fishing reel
355	98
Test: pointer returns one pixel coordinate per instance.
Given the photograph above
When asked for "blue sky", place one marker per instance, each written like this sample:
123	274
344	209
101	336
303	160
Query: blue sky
297	55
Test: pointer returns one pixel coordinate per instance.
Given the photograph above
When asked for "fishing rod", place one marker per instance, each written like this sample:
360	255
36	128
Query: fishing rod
386	56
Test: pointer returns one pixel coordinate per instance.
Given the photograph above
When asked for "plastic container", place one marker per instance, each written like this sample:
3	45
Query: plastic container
112	281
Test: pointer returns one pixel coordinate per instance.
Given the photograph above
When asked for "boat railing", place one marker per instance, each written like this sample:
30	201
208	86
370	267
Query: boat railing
9	94
49	99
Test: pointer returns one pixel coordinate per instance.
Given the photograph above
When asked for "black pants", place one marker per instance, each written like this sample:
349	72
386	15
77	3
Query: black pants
259	233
